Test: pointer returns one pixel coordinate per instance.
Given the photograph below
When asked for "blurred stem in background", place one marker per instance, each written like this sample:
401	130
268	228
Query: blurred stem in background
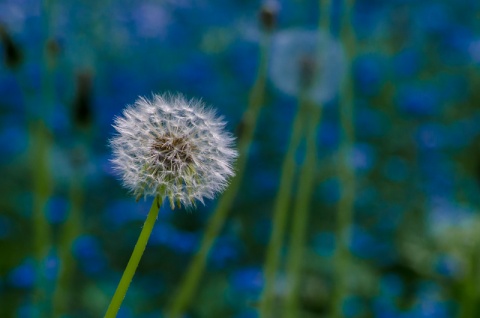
42	189
469	294
304	194
246	130
42	181
300	218
73	227
134	260
70	231
282	204
346	171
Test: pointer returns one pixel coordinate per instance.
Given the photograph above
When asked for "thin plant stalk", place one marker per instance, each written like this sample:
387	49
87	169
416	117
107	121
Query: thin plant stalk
282	204
305	190
42	188
469	297
41	176
346	172
132	265
298	235
189	285
70	231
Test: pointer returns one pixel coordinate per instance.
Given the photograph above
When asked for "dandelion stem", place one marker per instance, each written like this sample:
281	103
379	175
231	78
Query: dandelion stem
194	272
346	172
305	190
132	265
280	212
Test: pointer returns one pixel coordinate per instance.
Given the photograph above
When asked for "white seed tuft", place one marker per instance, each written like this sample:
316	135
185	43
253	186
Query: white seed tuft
172	147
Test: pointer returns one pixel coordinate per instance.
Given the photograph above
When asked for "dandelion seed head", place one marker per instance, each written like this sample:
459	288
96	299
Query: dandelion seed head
310	60
172	147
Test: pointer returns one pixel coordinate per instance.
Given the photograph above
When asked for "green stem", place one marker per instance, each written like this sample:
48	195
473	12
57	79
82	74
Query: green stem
70	231
298	235
468	301
134	260
346	172
42	190
191	280
42	181
282	204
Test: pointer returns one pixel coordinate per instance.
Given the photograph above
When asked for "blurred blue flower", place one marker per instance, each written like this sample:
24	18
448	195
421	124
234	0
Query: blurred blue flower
407	63
455	45
51	266
151	21
120	212
365	245
362	157
430	304
434	17
265	181
184	242
431	136
447	266
13	141
12	97
418	100
368	18
248	279
241	57
369	73
89	255
23	276
125	312
224	251
329	134
177	240
195	72
57	209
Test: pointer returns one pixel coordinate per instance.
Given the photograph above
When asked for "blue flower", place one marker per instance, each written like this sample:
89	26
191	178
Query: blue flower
249	279
89	255
23	276
368	71
418	100
57	210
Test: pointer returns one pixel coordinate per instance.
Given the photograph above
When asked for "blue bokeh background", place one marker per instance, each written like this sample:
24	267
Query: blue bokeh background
74	65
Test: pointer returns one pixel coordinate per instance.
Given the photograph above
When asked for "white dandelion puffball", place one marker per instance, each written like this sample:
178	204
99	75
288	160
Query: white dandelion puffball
300	56
172	147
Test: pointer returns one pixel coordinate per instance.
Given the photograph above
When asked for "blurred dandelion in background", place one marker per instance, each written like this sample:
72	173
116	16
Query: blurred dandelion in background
307	55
